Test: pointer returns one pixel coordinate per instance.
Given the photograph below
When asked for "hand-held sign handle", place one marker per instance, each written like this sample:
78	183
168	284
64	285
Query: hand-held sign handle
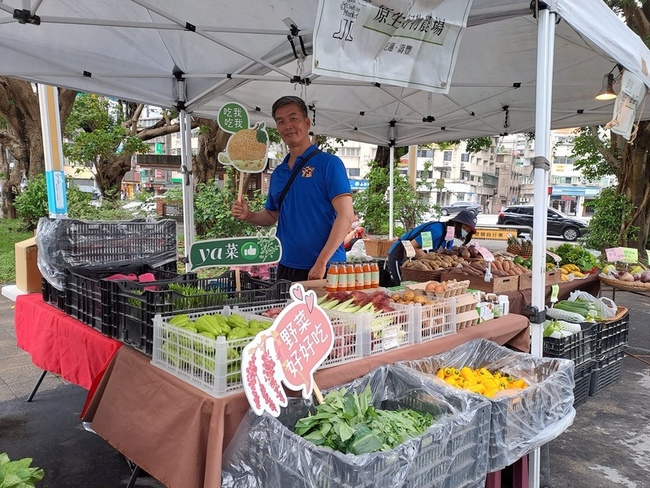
240	194
318	394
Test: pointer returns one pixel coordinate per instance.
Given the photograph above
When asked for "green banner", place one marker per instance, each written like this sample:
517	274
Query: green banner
236	251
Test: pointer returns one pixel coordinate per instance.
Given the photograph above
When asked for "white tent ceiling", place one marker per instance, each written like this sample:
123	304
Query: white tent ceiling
239	50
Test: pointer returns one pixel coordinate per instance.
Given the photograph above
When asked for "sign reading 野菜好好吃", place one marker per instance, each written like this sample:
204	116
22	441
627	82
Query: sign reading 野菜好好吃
236	251
288	352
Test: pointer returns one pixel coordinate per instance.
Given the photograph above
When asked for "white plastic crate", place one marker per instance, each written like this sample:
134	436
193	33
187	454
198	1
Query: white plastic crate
348	338
387	330
347	327
431	321
212	365
257	309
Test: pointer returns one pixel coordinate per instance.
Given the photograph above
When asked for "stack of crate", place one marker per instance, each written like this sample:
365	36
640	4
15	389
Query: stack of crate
611	341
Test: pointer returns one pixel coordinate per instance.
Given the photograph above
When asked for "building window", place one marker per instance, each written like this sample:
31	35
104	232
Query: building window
464	175
425	153
348	151
354	172
568	180
464	157
446	156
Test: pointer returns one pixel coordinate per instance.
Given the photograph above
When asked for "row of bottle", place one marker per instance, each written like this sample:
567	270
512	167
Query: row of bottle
352	276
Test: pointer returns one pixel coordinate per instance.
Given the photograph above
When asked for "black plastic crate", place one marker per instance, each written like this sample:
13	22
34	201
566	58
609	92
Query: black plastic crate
606	371
582	378
52	295
580	347
70	243
612	335
90	297
136	308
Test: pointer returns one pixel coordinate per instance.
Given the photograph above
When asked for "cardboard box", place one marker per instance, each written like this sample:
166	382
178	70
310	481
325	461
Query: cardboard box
552	277
28	277
496	285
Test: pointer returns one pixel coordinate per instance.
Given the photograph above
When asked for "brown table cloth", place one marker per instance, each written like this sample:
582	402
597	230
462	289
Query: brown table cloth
177	433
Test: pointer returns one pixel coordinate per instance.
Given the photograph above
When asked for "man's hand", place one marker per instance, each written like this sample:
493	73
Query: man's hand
317	272
240	210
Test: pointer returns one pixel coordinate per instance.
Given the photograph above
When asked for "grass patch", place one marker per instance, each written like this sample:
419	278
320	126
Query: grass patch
11	232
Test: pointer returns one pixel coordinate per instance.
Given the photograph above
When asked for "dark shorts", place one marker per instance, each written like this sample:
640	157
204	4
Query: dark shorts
292	274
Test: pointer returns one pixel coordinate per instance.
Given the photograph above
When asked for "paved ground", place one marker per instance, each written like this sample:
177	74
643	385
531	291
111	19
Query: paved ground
608	446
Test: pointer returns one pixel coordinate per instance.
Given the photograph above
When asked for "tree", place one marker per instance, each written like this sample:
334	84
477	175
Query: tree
373	203
106	133
21	135
628	161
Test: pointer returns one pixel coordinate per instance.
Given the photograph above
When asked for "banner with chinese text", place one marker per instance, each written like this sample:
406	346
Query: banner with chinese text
398	42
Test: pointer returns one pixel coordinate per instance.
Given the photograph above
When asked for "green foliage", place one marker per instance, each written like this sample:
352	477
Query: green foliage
212	217
18	474
478	144
373	203
577	255
11	231
95	127
443	145
611	211
588	153
31	205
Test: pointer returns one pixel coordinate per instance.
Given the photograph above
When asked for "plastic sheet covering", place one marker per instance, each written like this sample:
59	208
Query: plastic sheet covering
522	420
452	453
76	243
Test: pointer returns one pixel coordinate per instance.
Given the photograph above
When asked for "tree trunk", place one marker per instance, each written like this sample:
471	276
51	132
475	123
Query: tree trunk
634	181
109	174
212	141
23	136
382	156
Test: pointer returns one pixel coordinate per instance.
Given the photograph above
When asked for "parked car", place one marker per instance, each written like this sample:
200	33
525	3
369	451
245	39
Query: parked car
558	224
456	207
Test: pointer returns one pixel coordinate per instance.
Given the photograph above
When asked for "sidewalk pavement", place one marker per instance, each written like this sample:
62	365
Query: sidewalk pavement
608	445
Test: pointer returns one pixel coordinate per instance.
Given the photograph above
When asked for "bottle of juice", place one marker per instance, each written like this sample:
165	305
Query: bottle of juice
349	267
367	275
374	274
358	277
332	278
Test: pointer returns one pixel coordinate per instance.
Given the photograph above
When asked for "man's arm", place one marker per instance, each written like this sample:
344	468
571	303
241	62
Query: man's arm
344	218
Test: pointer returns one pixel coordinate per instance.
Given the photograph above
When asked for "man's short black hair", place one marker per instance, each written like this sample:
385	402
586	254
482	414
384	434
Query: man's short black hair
288	100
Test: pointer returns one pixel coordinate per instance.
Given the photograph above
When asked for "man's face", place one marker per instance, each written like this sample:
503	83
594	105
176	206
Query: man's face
292	126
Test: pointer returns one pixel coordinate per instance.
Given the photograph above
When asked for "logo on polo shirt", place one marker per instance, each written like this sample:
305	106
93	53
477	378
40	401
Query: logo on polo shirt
307	171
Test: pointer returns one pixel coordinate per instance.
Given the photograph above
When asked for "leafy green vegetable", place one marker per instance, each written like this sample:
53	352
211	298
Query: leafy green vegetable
350	423
18	474
577	255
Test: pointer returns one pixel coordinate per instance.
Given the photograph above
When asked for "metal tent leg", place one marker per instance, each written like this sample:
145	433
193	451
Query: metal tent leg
134	476
36	386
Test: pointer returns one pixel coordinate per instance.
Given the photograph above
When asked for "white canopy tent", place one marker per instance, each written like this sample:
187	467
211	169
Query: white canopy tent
518	70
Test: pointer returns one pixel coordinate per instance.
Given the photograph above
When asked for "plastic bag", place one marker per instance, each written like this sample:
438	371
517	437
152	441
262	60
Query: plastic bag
605	306
358	253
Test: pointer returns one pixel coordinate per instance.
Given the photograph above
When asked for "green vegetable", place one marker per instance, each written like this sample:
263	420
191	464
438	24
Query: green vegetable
577	255
18	474
350	423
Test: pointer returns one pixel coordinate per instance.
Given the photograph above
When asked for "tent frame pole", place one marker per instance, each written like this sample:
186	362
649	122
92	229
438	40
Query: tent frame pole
543	94
185	120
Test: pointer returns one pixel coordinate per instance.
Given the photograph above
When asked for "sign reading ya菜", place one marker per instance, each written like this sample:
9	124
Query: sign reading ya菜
236	251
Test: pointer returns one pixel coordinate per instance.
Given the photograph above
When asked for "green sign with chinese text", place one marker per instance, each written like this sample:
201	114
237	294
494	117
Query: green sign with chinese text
236	251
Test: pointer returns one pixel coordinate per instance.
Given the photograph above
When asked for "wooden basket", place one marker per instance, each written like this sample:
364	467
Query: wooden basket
620	313
625	285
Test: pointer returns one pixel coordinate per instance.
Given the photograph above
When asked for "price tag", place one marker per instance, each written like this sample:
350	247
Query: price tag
555	257
449	236
408	247
630	255
427	240
555	291
486	253
614	254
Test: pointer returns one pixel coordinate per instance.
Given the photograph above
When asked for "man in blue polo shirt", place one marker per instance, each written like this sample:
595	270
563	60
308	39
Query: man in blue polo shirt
314	209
